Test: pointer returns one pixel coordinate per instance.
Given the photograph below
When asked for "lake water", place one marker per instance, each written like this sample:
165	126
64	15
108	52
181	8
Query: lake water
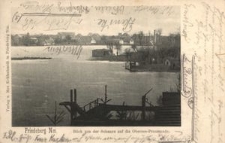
37	84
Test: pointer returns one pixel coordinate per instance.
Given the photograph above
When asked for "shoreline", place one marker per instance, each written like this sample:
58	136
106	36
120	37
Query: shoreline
143	68
30	58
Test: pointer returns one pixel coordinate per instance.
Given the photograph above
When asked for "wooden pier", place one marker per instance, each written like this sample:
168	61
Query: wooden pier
98	112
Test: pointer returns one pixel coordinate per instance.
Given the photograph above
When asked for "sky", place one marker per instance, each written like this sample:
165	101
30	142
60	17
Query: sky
101	20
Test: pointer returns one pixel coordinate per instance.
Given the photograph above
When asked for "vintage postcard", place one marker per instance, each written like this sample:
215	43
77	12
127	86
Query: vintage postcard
112	71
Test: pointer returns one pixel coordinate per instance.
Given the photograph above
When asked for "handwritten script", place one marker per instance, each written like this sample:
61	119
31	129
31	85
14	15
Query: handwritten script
63	16
206	35
125	23
88	136
187	90
74	50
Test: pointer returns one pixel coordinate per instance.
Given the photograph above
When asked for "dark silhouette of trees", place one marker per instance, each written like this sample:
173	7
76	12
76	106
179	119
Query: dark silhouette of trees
26	40
118	47
140	37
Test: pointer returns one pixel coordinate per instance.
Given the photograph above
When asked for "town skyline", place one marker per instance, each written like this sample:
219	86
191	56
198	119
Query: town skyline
139	38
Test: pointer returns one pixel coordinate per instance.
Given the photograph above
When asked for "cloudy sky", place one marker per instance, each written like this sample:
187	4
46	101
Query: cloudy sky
107	21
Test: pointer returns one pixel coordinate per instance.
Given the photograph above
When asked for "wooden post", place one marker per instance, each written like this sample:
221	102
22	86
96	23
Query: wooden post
71	106
55	113
71	96
143	107
75	100
105	94
75	95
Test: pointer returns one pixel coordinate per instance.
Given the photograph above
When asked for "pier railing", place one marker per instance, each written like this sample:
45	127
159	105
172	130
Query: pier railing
91	105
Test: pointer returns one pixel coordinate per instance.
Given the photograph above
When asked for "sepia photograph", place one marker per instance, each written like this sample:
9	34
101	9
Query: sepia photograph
121	68
131	71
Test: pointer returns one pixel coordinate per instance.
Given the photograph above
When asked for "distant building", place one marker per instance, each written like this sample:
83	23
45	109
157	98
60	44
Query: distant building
121	42
135	57
100	52
49	42
33	40
63	35
93	41
131	42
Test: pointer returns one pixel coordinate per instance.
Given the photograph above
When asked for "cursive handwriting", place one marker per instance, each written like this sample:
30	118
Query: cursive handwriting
74	50
114	10
12	136
167	10
93	137
186	21
208	31
53	21
187	75
37	7
73	9
125	23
